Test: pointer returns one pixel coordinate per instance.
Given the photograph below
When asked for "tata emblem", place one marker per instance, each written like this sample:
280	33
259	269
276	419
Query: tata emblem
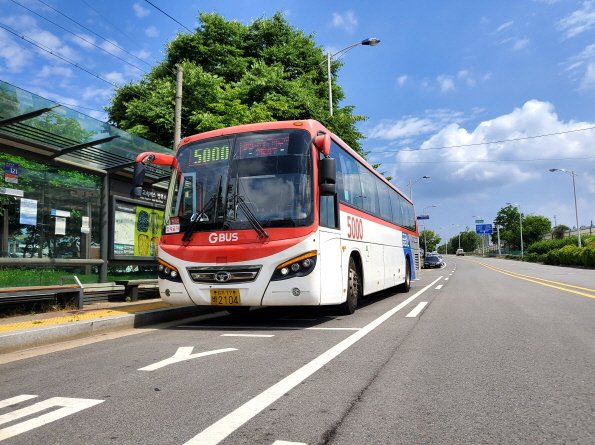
222	276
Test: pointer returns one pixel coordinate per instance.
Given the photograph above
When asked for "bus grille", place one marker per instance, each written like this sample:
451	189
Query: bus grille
223	274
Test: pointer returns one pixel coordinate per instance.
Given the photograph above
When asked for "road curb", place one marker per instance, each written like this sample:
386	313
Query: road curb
29	338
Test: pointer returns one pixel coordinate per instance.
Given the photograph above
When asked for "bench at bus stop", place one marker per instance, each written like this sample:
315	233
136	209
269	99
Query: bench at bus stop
131	287
63	293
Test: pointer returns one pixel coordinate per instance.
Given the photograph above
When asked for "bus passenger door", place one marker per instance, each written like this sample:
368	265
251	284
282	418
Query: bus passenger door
331	270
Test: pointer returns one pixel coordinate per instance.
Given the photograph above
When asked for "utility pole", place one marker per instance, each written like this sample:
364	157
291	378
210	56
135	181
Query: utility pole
178	107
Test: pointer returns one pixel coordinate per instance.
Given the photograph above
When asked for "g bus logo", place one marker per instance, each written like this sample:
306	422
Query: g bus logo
223	237
355	227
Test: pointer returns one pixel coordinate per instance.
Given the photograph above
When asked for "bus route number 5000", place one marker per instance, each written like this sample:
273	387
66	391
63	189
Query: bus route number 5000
355	227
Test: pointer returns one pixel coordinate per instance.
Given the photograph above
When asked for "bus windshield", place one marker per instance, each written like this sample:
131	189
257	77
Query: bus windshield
243	181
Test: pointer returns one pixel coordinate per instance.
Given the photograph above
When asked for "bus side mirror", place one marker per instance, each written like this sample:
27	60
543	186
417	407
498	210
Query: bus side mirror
323	144
138	179
327	176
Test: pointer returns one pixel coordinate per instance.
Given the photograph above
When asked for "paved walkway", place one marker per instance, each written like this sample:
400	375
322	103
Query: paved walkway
26	331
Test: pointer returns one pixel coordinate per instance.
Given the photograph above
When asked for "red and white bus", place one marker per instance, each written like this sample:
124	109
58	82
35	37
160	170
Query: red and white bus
279	214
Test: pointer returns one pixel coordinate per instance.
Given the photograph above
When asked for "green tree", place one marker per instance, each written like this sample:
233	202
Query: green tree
429	240
469	241
559	231
535	228
235	74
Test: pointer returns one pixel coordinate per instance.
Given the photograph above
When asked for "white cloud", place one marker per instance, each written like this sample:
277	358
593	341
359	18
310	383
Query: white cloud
401	80
412	126
588	80
520	44
14	56
346	21
60	71
462	162
505	25
85	41
139	11
152	31
579	21
115	77
446	83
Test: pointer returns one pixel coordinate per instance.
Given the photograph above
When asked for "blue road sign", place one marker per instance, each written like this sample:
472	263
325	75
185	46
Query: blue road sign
484	229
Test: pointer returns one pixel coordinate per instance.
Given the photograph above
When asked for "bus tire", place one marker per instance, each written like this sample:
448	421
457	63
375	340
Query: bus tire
404	287
354	290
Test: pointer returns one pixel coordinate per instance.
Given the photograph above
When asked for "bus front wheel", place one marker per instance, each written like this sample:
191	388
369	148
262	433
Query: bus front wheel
354	290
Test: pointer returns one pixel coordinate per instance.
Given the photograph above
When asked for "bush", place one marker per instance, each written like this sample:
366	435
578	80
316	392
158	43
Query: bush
544	246
534	258
587	255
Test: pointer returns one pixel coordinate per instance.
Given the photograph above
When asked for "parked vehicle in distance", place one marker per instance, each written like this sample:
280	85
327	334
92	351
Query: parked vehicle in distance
432	261
460	252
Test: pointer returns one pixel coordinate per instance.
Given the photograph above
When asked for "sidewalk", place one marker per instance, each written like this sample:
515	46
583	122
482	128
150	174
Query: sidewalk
27	331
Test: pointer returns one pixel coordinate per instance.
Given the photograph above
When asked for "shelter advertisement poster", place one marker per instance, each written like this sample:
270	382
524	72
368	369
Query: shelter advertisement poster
147	230
137	229
28	213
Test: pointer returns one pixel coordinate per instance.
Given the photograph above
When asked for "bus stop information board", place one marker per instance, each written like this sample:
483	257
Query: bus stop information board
483	229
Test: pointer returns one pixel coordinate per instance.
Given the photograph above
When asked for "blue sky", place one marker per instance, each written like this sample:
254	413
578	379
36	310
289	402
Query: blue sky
461	91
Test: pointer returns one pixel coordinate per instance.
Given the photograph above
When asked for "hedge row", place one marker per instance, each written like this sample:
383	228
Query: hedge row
563	252
544	246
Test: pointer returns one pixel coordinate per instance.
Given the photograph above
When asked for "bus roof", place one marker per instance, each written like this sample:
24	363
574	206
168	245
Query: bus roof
311	125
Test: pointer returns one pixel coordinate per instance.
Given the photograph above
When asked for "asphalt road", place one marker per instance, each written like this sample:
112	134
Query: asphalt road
502	352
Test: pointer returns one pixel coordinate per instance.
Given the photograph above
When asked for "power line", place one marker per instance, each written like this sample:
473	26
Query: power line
166	14
487	143
80	37
488	161
93	32
65	59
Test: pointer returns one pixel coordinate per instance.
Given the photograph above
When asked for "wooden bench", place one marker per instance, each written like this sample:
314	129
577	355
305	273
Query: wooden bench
131	286
34	294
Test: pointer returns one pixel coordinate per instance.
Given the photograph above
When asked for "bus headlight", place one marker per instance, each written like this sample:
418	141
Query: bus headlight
296	267
167	271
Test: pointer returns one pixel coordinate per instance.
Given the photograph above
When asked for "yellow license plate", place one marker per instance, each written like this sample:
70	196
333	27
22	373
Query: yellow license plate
225	297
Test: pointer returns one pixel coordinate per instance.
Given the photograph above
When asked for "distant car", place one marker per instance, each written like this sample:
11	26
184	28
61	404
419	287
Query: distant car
460	252
432	261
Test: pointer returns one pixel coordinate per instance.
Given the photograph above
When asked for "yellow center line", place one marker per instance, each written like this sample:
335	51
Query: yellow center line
557	285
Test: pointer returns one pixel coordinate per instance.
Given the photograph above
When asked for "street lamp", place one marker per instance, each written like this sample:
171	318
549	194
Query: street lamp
413	181
366	42
521	221
457	225
573	174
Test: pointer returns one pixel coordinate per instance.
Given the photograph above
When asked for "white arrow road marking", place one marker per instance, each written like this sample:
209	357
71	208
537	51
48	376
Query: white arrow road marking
182	354
67	406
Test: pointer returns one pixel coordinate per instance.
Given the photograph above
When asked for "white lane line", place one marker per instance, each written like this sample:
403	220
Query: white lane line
66	407
247	335
439	286
14	400
224	427
182	354
415	312
446	279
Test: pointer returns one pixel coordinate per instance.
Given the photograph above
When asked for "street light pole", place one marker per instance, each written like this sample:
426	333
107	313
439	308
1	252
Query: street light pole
413	181
366	42
573	174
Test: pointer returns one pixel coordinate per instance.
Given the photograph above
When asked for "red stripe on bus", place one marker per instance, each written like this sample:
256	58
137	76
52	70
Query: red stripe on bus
218	247
345	208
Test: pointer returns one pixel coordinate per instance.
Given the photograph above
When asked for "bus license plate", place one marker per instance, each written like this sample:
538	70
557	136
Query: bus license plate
225	297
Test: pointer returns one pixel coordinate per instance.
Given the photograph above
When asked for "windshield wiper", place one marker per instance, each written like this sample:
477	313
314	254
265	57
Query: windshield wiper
252	219
202	215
